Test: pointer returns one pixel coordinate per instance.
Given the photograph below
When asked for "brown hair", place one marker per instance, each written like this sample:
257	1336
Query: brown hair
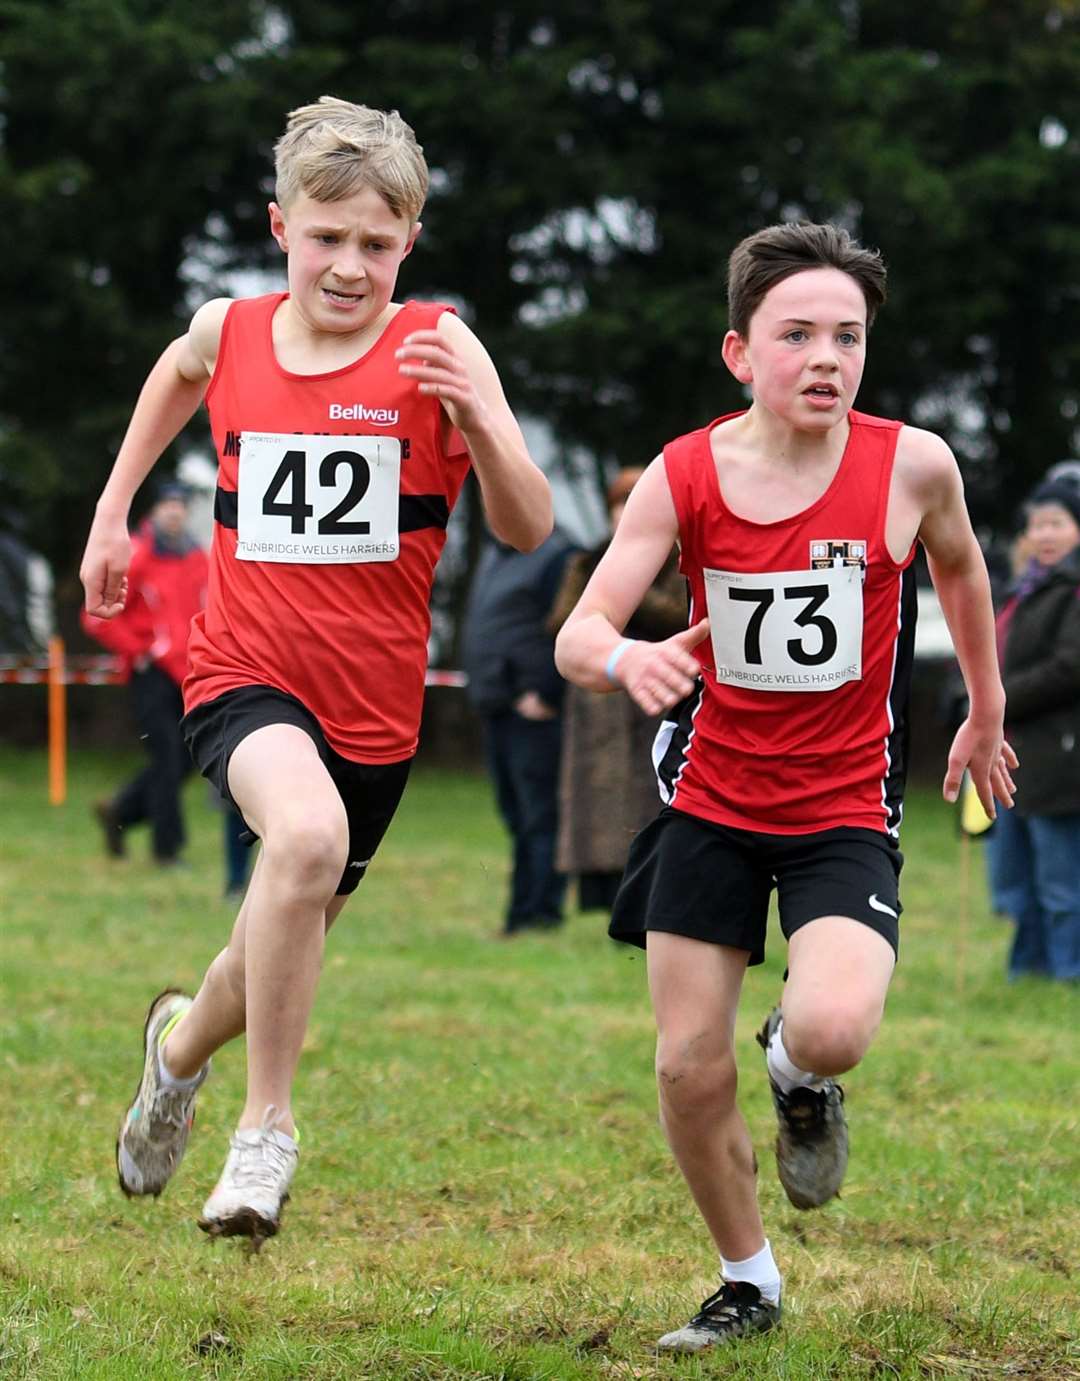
333	148
762	260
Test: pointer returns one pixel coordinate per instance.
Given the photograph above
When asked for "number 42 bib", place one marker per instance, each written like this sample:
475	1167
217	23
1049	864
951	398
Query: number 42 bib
318	500
786	630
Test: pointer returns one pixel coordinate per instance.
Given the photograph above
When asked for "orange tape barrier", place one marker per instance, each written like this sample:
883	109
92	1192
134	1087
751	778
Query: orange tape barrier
58	671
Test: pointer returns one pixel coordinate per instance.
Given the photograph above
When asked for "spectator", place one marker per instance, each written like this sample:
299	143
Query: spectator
509	655
166	589
607	788
1034	851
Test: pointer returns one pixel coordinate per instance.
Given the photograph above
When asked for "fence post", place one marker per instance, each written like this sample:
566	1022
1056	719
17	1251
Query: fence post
57	724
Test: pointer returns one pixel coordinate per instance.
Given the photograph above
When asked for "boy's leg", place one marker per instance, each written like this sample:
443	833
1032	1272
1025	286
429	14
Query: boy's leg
287	796
288	886
219	1013
838	975
695	991
279	781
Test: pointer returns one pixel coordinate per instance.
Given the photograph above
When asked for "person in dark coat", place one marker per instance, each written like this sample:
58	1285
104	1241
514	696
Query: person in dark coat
509	657
166	589
1034	850
607	786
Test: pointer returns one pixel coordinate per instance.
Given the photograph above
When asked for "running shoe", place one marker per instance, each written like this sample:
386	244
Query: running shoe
812	1136
155	1129
254	1186
735	1309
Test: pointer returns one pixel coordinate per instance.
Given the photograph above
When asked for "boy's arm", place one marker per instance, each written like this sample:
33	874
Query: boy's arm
173	391
451	363
589	650
959	574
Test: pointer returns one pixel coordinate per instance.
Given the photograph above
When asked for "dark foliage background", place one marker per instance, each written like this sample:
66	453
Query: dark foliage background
593	166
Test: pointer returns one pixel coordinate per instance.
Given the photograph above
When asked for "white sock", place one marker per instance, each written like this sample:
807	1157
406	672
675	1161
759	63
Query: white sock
784	1074
759	1269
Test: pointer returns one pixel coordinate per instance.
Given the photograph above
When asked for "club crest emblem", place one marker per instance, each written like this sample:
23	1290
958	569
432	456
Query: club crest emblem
836	552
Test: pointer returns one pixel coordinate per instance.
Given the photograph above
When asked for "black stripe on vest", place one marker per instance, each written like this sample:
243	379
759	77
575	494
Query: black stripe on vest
898	743
670	766
415	511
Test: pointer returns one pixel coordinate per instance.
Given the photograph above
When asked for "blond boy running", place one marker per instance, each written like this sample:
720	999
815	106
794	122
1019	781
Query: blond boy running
344	423
781	760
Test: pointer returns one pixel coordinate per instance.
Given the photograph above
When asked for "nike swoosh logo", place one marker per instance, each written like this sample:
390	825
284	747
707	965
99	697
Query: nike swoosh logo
880	906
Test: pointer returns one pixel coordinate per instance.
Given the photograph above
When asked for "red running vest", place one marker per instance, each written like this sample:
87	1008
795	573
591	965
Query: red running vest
798	723
334	492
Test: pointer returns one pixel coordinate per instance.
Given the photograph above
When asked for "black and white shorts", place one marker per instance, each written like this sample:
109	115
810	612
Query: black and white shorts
370	792
710	882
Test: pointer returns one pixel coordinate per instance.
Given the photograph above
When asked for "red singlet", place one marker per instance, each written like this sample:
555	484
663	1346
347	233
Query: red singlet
333	496
799	722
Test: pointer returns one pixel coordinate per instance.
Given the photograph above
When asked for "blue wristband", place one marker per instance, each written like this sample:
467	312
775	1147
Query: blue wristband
613	660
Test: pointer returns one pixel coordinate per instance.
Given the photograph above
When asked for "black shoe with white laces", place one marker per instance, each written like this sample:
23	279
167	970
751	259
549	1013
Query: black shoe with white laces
811	1137
735	1309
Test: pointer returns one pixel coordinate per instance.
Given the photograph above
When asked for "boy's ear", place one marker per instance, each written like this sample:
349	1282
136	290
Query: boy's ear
736	357
277	226
413	233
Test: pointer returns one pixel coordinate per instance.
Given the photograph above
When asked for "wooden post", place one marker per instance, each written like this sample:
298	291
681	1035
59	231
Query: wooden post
57	724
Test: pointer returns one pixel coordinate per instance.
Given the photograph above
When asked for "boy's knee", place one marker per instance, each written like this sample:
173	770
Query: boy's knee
693	1079
307	854
832	1043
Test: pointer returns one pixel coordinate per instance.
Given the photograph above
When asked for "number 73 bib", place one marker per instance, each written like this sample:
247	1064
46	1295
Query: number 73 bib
318	500
786	630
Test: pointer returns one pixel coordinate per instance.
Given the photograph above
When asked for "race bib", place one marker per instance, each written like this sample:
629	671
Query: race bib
787	630
318	500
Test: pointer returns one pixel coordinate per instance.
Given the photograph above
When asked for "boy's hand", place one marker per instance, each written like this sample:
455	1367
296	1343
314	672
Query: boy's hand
659	675
989	759
427	357
104	570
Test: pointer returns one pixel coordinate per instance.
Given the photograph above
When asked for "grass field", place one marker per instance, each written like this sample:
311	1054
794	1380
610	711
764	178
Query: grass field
484	1191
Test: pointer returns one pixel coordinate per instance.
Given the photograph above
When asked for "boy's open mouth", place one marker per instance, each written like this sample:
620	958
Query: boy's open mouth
346	299
822	391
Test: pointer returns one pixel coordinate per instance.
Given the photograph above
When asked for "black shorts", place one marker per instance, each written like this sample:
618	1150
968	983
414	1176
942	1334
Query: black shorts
370	792
690	877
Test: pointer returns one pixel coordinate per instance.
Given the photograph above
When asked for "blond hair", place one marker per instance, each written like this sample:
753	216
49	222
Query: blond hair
333	148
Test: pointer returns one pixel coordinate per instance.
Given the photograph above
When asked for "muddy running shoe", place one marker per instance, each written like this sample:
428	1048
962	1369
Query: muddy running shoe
154	1133
811	1139
254	1186
735	1309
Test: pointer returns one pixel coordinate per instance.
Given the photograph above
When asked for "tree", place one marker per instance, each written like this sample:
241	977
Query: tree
126	130
592	169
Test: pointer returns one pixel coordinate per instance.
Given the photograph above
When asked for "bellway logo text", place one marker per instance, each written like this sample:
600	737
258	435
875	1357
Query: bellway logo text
360	412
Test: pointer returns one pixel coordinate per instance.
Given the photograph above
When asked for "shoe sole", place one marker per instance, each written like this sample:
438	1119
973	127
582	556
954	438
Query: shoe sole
245	1222
135	1193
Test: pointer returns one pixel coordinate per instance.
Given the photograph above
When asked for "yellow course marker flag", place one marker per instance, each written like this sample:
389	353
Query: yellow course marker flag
973	819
